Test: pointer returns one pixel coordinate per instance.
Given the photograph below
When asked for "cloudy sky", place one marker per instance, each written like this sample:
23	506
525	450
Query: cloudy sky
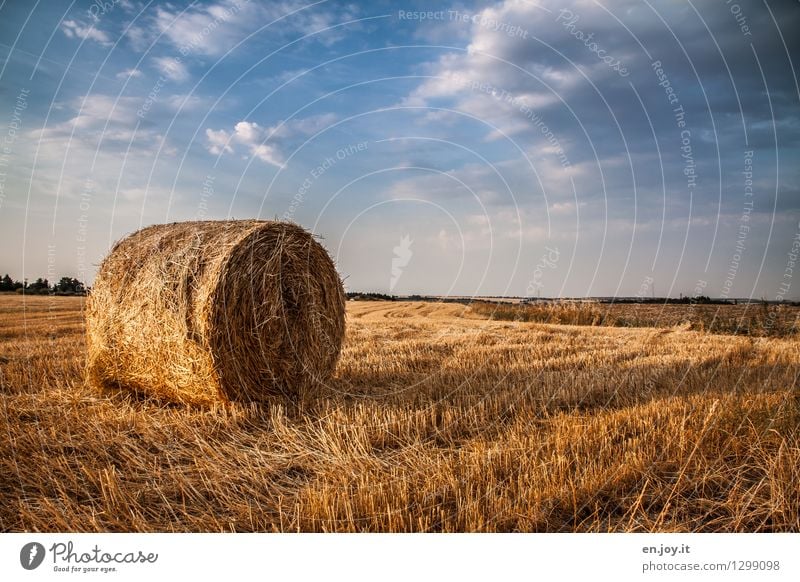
553	148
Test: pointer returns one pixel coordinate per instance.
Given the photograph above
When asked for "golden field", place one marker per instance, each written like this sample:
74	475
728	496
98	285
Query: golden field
437	419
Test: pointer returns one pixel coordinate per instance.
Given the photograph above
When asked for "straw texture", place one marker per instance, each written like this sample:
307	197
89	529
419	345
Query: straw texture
202	312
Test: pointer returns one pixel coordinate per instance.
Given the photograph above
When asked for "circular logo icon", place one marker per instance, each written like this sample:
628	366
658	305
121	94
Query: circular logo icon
31	555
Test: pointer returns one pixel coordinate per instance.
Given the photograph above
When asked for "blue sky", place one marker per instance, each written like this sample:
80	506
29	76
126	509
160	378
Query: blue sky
556	148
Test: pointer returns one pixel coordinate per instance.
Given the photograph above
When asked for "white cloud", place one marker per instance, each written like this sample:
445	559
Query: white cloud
568	208
468	185
172	68
446	240
129	74
95	110
103	122
311	125
139	38
247	132
265	143
216	28
75	29
267	153
99	152
501	78
186	102
205	30
253	137
218	141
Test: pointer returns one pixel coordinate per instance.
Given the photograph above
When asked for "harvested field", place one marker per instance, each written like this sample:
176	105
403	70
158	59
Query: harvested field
755	319
437	419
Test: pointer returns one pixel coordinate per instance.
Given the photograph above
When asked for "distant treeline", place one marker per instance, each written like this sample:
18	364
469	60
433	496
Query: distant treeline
698	299
360	296
357	296
65	286
683	300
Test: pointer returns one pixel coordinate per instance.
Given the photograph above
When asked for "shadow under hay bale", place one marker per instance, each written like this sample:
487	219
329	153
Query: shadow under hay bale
202	312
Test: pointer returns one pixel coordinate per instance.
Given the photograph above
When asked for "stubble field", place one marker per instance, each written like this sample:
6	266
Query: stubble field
437	419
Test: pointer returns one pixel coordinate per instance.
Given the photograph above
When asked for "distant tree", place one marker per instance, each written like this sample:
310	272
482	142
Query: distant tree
69	285
371	296
40	286
65	286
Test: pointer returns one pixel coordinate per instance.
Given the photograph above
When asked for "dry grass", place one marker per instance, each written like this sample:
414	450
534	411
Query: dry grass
755	319
198	312
436	420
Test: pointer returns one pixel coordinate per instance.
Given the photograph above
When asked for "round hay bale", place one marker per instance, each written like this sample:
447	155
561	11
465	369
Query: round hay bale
202	312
